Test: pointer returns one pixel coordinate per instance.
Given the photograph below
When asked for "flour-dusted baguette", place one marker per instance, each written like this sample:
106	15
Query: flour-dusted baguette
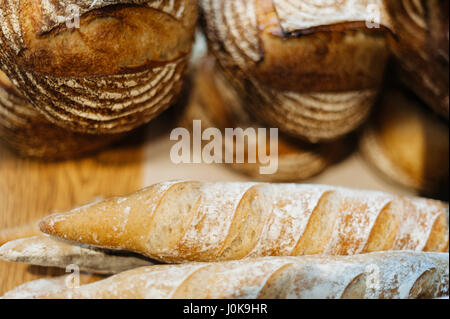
311	69
387	275
49	252
35	288
216	104
408	143
119	68
421	46
197	221
30	134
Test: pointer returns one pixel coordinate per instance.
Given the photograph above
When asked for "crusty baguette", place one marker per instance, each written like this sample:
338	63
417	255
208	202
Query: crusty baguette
195	221
386	275
35	288
408	143
312	70
49	252
122	67
23	231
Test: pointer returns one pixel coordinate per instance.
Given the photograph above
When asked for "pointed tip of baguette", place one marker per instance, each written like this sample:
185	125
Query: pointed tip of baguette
47	225
6	251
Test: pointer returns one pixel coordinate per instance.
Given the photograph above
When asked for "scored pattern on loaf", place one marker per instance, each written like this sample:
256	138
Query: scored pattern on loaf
388	275
219	105
28	132
236	38
57	12
420	67
225	221
235	24
314	116
110	104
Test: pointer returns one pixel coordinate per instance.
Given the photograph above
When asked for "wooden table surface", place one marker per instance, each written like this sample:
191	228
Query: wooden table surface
30	189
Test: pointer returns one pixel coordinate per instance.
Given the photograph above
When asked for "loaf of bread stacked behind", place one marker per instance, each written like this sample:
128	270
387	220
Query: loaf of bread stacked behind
311	69
408	143
217	105
118	70
421	46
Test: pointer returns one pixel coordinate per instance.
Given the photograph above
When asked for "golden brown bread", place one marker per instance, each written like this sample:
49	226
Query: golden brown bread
421	46
30	134
315	79
386	275
408	143
118	70
217	104
195	221
299	46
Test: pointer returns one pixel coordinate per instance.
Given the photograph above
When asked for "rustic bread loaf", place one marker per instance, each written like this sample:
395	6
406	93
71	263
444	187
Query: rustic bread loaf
196	221
217	105
386	275
312	69
421	46
30	134
118	70
408	143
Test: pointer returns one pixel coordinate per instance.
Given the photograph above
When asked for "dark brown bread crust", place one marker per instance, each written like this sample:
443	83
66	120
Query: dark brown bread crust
421	45
115	39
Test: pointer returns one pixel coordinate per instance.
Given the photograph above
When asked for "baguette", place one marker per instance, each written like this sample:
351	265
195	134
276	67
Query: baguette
122	67
194	221
30	134
408	143
313	70
387	275
48	252
217	105
35	288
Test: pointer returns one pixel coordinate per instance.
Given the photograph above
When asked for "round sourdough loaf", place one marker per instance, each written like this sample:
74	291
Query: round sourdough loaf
119	69
311	68
217	104
30	134
421	46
